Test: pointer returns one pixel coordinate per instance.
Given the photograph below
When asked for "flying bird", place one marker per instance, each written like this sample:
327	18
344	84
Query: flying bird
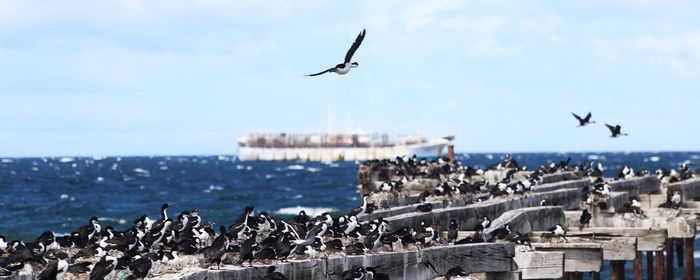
584	121
344	68
615	130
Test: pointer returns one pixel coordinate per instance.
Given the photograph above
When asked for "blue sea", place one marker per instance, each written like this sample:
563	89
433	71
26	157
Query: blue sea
61	193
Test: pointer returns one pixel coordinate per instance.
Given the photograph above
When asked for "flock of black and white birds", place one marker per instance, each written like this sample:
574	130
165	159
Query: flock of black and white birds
615	131
167	244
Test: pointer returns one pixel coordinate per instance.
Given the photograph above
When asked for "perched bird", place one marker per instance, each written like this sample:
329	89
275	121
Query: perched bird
452	230
362	209
584	121
456	271
558	230
615	130
424	208
344	68
54	271
141	268
500	233
675	199
87	232
485	223
104	269
376	275
353	274
273	275
584	219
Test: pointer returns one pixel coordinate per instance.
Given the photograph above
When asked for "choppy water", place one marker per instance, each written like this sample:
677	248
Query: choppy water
60	194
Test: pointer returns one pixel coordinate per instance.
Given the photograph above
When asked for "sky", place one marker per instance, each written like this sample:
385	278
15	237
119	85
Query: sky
81	78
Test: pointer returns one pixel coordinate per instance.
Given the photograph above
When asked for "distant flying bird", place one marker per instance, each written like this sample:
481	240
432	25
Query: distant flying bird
615	130
584	121
344	68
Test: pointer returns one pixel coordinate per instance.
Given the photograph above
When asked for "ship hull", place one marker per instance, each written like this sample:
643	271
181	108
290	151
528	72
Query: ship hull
428	149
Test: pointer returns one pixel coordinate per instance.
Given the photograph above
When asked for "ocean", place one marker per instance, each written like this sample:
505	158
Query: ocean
61	193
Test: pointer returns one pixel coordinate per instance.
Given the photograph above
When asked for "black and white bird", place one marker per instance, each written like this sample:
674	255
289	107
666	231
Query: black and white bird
585	219
54	271
452	231
456	271
485	223
104	269
362	209
87	232
584	121
273	275
3	244
675	199
615	130
558	230
140	268
344	68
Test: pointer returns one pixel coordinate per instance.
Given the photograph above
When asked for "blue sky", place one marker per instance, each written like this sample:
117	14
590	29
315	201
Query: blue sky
188	77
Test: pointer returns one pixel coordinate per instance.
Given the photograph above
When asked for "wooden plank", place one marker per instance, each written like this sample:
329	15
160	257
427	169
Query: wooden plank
421	264
525	220
647	239
560	176
682	227
467	216
637	186
689	189
578	257
616	201
618	248
577	184
539	265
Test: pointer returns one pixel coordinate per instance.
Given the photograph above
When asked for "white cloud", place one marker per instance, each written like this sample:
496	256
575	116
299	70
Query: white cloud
679	53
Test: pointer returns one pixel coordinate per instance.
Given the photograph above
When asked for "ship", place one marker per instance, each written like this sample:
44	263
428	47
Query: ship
348	146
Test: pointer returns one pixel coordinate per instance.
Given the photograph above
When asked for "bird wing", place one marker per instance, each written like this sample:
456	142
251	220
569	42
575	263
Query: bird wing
588	117
319	73
577	117
612	128
354	46
617	128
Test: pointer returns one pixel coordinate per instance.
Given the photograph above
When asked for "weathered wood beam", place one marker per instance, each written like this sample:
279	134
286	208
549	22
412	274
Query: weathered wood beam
539	264
525	220
422	264
578	256
637	186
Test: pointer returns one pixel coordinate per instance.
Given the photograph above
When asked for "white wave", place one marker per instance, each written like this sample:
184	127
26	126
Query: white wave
34	168
313	169
216	188
98	157
654	159
100	179
596	157
310	211
64	196
248	167
295	167
695	156
239	167
114	166
74	165
268	176
222	158
489	156
142	172
119	159
6	160
108	219
298	196
164	167
66	159
333	165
